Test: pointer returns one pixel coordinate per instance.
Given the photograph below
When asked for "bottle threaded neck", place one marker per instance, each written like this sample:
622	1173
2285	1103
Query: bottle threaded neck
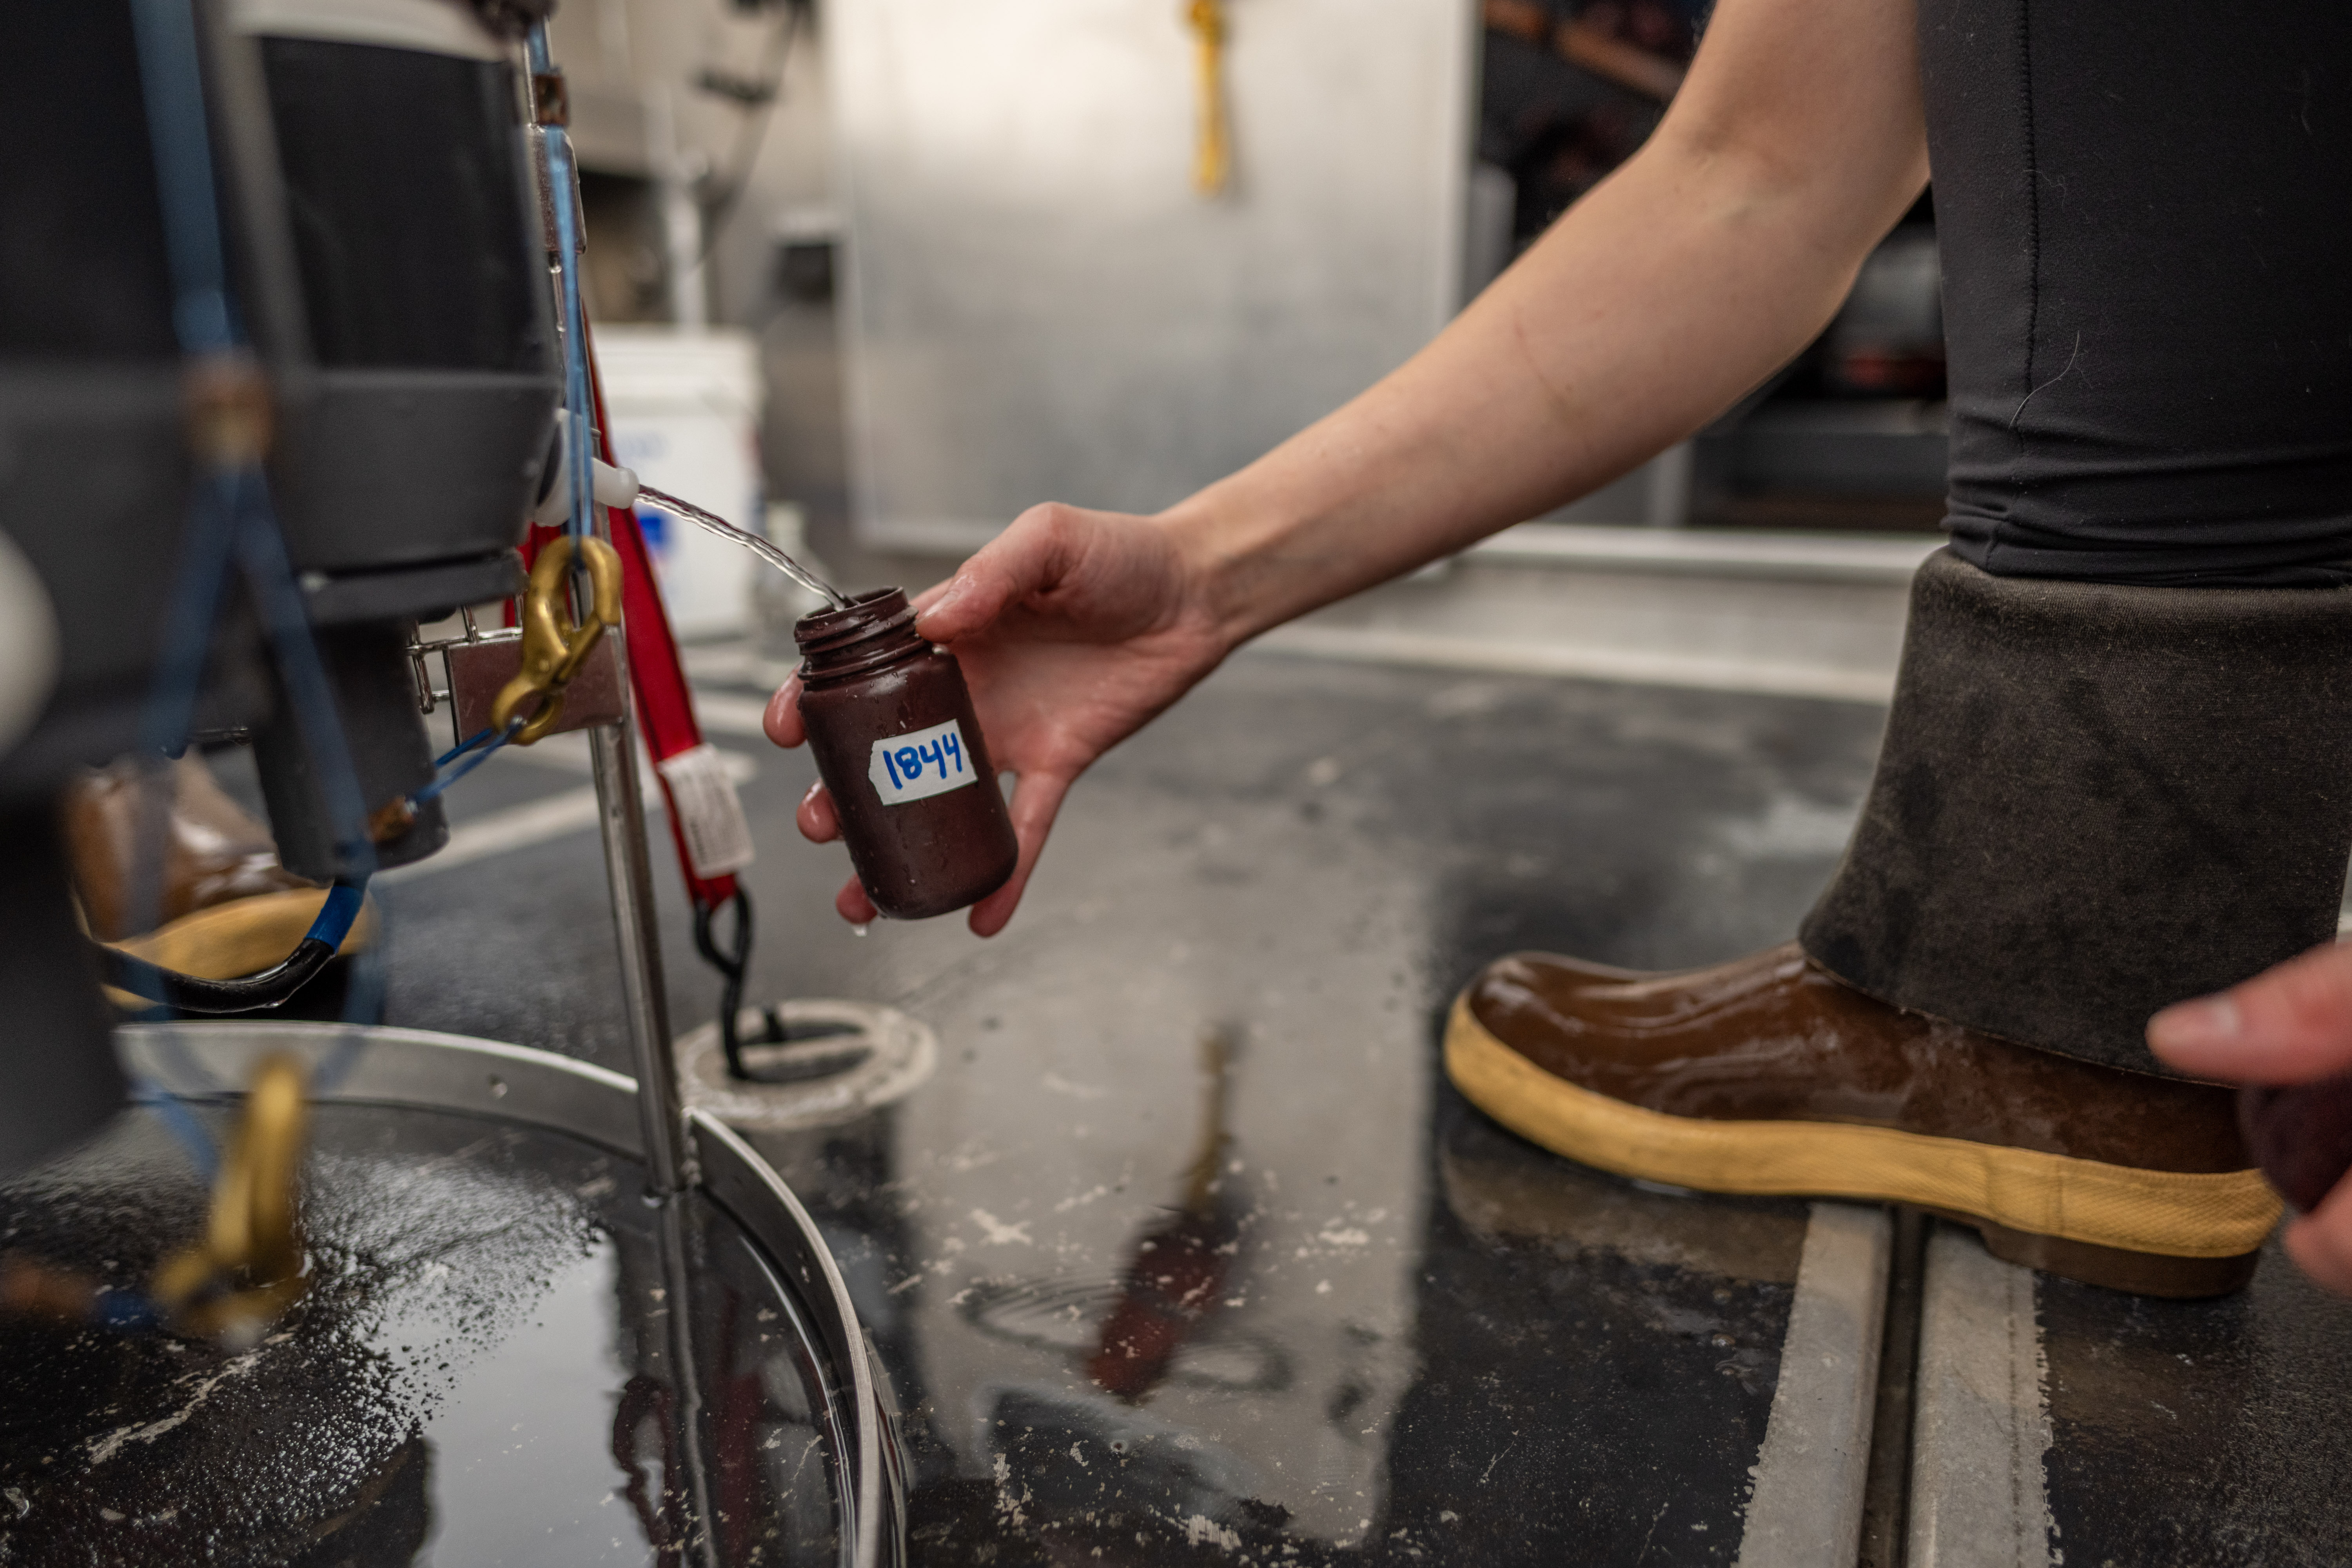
872	629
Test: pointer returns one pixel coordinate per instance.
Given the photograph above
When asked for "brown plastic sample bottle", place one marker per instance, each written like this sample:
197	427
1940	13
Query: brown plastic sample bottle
891	723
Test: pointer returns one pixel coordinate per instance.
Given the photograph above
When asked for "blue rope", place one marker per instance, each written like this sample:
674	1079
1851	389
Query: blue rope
330	1072
204	556
230	519
286	621
125	1312
575	332
172	78
335	916
441	783
181	1123
269	575
461	748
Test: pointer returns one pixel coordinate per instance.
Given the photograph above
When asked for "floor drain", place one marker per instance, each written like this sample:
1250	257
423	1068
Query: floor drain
836	1061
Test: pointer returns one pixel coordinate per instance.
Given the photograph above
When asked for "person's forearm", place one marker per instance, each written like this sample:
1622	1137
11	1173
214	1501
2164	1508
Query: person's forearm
1662	296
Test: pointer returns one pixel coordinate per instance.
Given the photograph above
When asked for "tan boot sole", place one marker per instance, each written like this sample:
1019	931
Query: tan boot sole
2155	1232
243	936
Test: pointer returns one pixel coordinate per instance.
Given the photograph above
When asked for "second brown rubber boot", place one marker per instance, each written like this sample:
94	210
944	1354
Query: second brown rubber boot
1768	1076
223	906
2092	801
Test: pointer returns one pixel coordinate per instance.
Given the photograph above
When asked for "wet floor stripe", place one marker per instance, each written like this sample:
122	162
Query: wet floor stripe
725	713
1804	1508
502	832
1375	644
1980	1434
536	821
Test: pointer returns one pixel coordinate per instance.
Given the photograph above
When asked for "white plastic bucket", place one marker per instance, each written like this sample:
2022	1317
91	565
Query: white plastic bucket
685	409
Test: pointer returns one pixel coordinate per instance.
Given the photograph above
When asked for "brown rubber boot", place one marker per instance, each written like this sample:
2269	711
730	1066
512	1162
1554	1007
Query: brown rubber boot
1768	1076
227	908
2092	801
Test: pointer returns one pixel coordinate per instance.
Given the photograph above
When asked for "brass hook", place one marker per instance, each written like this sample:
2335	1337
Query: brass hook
553	645
247	1269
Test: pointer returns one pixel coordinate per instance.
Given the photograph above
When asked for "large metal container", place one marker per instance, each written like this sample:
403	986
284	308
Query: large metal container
489	1358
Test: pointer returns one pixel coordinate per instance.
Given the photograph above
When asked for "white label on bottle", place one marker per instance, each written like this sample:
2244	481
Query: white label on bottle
926	763
718	838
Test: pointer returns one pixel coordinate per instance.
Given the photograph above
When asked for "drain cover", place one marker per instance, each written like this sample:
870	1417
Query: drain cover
839	1059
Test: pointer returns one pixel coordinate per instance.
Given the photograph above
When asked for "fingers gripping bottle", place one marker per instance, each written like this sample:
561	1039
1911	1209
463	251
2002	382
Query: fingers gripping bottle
891	723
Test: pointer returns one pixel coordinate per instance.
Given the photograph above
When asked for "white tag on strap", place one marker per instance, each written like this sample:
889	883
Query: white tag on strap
718	837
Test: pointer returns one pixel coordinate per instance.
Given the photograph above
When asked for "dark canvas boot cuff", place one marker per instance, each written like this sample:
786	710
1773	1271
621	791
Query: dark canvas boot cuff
2094	801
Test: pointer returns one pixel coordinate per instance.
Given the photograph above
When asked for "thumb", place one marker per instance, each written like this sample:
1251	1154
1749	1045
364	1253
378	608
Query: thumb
2287	1024
1029	557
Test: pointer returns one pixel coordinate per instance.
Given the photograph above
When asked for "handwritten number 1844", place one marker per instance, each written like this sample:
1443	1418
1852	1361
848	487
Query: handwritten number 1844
906	763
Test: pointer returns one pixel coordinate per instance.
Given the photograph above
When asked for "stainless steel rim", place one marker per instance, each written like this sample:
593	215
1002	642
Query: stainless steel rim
423	1070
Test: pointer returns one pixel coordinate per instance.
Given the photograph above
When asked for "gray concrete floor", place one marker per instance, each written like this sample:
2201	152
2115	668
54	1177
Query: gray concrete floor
1433	1343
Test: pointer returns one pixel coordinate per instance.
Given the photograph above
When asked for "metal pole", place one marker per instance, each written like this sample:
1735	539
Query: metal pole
628	871
702	1544
670	1154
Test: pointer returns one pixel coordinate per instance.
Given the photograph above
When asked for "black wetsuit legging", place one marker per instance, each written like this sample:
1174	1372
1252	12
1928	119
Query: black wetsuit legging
2146	213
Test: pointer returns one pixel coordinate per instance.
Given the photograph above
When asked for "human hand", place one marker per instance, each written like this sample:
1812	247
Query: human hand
1074	629
2290	1024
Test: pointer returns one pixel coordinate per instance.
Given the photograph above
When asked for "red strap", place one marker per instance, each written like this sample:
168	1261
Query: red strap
665	706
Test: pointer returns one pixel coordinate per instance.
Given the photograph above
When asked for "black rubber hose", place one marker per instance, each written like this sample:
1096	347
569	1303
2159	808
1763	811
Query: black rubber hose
732	968
272	987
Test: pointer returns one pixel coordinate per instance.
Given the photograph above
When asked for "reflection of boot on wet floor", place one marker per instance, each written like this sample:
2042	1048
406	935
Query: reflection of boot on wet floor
1178	1273
2092	801
223	907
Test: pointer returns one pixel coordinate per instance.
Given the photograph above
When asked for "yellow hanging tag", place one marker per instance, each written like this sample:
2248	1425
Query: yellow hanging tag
1212	157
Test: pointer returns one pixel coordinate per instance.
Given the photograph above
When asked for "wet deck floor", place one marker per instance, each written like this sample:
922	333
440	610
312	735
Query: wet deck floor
1210	1038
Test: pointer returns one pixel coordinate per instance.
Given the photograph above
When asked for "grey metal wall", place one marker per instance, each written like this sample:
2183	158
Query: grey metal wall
1040	307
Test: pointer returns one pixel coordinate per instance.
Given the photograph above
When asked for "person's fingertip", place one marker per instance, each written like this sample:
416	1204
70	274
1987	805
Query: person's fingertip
2312	1244
935	613
781	718
995	912
818	821
2206	1024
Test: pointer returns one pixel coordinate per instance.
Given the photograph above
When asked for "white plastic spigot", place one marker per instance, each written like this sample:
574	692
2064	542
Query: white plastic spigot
612	486
609	486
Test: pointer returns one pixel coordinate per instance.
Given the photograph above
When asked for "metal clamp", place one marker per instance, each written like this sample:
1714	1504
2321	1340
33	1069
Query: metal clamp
554	646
